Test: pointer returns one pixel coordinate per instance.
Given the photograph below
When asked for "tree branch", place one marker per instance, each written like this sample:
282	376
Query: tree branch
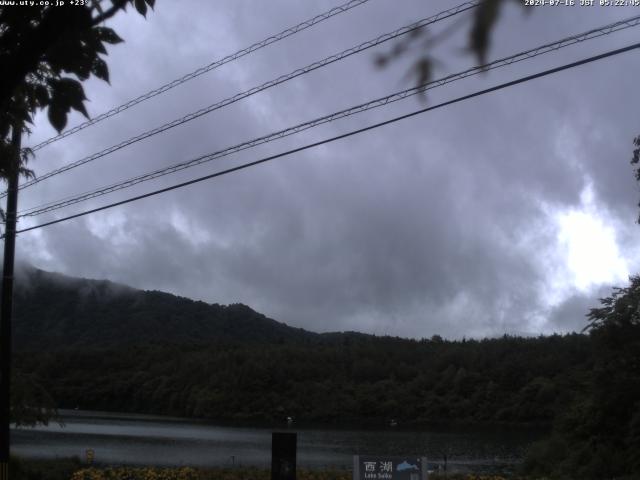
115	7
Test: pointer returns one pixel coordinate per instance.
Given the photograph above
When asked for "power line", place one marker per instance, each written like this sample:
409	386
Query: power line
341	114
207	68
247	93
528	54
344	135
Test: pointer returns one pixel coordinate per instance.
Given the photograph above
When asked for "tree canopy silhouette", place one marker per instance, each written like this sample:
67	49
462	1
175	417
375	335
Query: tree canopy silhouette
45	55
46	52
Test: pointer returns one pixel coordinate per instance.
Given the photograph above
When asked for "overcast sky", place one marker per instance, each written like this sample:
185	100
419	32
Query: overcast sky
510	213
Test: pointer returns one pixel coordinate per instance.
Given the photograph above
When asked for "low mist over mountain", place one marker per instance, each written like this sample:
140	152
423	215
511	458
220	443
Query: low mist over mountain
54	311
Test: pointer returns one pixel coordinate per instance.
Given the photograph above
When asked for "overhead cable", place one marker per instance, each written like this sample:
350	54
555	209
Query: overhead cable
342	136
207	68
240	96
394	97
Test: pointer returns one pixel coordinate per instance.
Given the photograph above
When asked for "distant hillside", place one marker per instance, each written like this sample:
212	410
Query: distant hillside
54	311
102	346
97	345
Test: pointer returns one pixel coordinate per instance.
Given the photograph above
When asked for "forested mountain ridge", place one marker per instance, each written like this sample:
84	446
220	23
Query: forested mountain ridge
499	381
54	311
99	345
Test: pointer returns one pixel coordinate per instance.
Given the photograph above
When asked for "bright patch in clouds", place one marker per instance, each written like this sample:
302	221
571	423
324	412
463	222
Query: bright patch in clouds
589	246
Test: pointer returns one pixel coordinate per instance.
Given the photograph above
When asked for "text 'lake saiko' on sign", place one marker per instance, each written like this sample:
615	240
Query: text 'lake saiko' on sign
388	468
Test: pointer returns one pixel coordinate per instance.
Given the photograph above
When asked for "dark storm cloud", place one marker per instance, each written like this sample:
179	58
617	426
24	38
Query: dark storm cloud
440	224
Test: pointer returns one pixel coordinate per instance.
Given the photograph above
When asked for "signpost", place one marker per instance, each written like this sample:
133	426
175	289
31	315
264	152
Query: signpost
283	455
389	468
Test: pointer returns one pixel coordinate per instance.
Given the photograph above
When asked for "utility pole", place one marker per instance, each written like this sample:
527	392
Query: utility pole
6	303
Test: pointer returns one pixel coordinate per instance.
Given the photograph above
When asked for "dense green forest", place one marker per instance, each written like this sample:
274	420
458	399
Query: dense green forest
598	434
509	380
96	345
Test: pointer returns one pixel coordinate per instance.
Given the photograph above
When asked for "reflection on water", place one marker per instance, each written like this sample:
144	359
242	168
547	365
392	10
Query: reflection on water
149	440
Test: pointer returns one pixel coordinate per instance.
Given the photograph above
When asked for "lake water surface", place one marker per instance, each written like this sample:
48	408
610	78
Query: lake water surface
152	440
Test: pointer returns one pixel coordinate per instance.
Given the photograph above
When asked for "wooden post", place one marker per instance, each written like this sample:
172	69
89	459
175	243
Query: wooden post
6	304
283	456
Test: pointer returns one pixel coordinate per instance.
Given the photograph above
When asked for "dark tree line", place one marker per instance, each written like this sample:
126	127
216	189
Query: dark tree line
361	380
598	434
96	345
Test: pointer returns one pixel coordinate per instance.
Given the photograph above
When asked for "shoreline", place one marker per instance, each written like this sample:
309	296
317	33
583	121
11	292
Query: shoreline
338	425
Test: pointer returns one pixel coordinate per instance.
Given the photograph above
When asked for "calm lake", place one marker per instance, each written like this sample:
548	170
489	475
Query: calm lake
151	440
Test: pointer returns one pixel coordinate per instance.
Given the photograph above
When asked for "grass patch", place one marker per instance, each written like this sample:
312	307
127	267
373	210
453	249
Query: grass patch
188	473
74	469
55	469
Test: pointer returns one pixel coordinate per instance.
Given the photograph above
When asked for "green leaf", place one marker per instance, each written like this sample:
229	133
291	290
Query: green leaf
381	60
68	93
141	7
81	67
5	127
423	71
57	116
107	35
100	69
93	41
73	56
485	17
42	95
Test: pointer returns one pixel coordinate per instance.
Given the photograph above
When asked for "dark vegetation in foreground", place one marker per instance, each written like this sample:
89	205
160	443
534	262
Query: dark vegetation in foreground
366	380
55	469
96	345
73	469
